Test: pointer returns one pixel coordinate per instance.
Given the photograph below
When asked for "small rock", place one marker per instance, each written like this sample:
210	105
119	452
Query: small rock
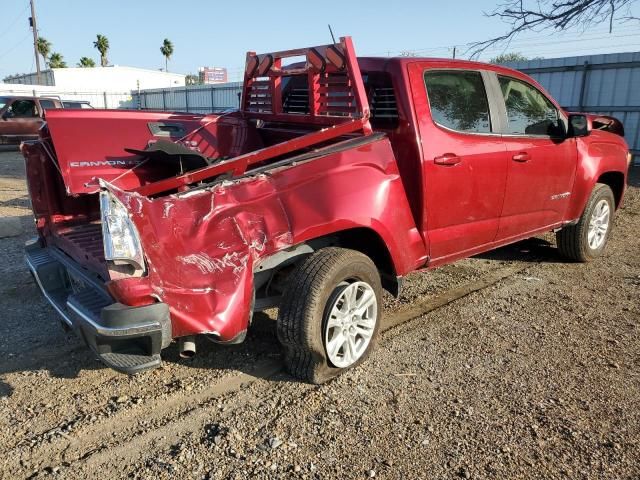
122	399
274	442
371	473
297	468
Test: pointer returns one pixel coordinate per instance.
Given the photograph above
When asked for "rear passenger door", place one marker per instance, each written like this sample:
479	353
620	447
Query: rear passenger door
464	159
542	161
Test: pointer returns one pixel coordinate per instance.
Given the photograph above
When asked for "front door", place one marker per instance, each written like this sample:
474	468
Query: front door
464	160
542	161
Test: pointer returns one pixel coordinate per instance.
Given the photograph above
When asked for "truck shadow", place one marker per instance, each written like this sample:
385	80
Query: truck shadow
533	250
634	176
63	355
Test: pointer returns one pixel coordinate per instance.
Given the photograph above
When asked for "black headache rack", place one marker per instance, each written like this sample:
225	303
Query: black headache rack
127	339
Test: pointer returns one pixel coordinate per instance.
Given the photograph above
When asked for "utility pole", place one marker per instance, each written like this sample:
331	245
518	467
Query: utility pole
34	27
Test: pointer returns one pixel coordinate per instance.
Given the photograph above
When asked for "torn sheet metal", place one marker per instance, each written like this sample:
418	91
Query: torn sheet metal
201	248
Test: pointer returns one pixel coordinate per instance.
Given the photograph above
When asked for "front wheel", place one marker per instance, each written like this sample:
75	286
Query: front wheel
586	240
330	314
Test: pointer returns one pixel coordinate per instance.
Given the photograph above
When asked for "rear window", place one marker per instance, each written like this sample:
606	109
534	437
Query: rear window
380	93
458	100
48	104
382	100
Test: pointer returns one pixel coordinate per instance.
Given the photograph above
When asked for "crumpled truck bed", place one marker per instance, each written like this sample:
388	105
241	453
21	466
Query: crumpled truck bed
202	246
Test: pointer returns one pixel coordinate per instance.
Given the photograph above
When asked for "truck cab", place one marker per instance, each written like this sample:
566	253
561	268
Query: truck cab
494	147
21	117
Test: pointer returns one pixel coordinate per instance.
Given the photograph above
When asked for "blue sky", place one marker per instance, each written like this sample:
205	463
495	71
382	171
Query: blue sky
219	33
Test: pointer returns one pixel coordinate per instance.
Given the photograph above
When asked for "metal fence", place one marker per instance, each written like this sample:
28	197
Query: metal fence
608	84
194	99
97	99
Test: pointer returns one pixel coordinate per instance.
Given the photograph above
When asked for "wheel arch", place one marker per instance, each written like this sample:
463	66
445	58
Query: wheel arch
370	243
361	239
616	182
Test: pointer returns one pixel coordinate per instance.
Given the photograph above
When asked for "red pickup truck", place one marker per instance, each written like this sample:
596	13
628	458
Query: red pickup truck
337	177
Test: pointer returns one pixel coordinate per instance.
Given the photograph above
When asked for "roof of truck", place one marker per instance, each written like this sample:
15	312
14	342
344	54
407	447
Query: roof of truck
382	63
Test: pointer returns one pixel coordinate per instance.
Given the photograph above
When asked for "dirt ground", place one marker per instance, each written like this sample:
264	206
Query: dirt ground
534	374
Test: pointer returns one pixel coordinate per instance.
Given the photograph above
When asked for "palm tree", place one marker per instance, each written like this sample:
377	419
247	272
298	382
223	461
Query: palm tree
57	61
192	79
102	44
86	62
167	50
44	48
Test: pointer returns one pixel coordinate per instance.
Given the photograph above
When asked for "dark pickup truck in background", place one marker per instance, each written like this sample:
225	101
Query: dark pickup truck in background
21	117
337	177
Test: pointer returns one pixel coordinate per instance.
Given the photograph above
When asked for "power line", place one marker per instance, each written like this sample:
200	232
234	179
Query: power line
14	22
518	43
12	48
585	49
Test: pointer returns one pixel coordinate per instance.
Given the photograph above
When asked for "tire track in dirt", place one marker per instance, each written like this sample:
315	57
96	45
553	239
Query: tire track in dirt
126	435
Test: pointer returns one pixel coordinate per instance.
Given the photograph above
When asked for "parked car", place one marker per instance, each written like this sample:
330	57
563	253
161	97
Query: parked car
21	117
76	104
336	178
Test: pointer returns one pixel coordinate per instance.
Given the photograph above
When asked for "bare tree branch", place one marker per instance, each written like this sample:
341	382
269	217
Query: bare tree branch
523	15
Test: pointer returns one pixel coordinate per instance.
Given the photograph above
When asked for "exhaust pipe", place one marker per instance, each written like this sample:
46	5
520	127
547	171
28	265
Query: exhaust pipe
187	346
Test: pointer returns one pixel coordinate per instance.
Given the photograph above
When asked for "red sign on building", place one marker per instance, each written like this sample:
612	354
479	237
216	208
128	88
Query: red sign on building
213	74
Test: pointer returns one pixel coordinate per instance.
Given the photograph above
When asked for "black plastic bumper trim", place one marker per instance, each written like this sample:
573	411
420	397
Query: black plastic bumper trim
127	339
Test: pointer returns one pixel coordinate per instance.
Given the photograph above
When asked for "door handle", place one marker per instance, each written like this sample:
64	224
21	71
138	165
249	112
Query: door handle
447	159
521	157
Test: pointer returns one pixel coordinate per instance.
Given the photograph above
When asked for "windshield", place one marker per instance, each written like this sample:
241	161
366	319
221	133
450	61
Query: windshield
3	101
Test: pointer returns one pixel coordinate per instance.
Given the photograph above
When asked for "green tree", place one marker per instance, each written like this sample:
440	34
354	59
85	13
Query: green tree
102	45
56	60
44	48
192	79
86	62
508	58
167	50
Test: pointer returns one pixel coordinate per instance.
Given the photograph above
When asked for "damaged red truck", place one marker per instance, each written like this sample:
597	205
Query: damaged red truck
336	177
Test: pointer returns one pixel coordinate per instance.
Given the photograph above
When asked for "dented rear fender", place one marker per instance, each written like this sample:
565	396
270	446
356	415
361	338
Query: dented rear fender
202	246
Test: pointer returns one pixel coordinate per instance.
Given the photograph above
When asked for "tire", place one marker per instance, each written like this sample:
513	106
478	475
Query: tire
576	242
316	310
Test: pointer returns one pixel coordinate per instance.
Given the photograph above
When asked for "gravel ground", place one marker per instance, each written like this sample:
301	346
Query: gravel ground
532	376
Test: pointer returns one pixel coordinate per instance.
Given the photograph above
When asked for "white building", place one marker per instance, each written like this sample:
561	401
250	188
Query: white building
113	78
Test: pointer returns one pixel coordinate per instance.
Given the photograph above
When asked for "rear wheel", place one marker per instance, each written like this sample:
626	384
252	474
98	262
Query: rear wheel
586	240
330	314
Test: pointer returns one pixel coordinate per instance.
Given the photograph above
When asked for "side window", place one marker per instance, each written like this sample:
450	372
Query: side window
47	104
23	109
529	112
458	100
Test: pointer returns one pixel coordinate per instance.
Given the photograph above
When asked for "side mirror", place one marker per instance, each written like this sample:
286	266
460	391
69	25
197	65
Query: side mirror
578	125
7	114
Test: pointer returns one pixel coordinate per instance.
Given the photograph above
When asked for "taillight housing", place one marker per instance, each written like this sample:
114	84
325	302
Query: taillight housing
120	236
